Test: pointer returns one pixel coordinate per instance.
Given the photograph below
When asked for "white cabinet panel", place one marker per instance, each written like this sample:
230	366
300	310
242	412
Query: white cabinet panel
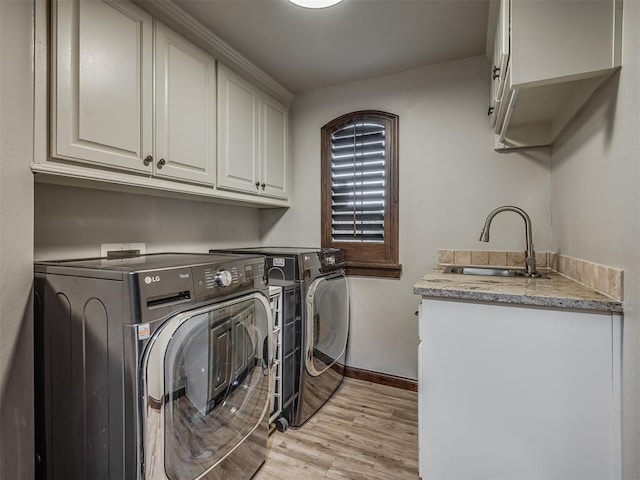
238	132
499	70
558	54
578	39
185	115
509	392
102	91
274	138
253	138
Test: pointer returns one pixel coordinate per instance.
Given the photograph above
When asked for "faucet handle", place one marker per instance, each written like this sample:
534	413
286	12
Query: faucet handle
530	261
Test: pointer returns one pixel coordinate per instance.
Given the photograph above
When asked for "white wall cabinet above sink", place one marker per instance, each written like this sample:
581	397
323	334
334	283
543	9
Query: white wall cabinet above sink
500	60
557	56
134	104
253	140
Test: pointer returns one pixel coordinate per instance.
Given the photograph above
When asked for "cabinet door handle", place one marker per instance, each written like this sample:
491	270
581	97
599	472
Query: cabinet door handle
257	185
490	111
147	160
161	163
496	72
262	185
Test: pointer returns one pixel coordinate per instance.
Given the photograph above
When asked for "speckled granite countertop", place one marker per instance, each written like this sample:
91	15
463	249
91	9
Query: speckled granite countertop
557	291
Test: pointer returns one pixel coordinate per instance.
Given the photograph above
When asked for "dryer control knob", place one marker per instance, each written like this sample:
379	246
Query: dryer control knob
223	278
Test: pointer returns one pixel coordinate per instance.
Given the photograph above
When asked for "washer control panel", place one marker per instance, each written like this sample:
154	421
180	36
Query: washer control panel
223	278
233	277
212	277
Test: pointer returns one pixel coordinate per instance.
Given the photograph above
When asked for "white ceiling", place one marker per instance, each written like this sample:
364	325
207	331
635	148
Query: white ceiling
306	49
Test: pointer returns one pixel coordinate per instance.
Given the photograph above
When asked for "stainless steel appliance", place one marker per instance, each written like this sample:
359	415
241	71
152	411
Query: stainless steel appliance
315	326
153	367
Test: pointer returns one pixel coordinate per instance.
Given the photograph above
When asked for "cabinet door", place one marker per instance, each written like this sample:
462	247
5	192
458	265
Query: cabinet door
499	67
102	83
514	392
503	46
237	132
273	148
185	112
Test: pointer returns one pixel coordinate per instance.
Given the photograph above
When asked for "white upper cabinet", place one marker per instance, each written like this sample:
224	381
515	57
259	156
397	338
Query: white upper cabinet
134	104
500	61
102	83
558	53
252	138
185	114
237	132
273	141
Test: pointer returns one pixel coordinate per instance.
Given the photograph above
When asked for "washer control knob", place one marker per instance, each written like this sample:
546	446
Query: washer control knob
223	278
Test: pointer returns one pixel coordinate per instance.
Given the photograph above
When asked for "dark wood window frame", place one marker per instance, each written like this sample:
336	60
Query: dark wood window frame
365	259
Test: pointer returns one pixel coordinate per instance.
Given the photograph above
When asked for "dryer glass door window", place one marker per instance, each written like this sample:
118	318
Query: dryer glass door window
207	386
327	320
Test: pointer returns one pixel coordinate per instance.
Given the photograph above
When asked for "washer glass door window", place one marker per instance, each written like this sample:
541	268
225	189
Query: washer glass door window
206	386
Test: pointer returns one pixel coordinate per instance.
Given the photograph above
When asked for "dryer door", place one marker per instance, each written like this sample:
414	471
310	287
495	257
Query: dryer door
327	323
206	387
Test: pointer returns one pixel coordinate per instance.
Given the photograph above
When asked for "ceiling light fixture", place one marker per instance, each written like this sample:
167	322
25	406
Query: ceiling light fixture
315	3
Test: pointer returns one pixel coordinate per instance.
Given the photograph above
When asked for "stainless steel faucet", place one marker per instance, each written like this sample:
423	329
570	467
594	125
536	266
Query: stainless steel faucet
530	254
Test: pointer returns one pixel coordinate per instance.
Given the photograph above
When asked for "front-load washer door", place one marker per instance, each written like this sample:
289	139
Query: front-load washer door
206	387
327	323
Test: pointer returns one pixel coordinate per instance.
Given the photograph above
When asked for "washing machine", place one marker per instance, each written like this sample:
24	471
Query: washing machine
315	326
152	367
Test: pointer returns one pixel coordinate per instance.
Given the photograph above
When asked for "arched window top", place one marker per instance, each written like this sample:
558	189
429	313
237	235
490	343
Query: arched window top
360	191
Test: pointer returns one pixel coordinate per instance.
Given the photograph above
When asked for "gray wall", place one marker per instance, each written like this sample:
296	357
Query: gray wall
73	222
596	207
16	240
450	179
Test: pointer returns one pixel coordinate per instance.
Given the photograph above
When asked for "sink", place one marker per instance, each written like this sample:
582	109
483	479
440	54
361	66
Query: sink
489	271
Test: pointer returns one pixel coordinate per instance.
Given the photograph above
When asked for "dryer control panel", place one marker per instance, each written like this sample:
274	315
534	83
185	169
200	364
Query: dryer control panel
332	259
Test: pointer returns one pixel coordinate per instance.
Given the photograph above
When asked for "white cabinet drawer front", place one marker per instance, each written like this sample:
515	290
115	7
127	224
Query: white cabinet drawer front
102	90
185	109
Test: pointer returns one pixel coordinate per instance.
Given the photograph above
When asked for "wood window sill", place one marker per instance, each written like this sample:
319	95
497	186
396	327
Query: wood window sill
383	270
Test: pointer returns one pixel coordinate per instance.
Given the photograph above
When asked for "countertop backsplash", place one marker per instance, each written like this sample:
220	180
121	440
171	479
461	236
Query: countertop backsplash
601	278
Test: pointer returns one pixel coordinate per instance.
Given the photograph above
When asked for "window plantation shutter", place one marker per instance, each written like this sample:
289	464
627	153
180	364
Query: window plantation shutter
358	181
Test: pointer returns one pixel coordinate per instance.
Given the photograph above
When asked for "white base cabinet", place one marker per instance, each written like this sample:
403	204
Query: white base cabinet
514	392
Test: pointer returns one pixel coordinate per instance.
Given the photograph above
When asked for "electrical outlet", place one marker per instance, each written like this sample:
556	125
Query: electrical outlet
107	249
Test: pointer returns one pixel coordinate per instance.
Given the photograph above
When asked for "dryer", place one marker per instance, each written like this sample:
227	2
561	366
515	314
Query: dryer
315	326
153	367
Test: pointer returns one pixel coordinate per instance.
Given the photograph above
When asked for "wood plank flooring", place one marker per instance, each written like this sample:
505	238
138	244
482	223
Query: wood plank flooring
366	431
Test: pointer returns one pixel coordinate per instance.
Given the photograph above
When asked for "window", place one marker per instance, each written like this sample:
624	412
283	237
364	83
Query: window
360	191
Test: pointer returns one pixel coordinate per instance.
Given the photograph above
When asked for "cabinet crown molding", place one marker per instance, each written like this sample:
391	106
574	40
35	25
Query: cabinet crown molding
171	14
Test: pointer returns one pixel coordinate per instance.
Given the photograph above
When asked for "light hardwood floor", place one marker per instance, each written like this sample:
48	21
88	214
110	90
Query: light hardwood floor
365	431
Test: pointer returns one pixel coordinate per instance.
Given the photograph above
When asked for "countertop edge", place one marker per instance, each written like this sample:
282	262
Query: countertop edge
612	306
